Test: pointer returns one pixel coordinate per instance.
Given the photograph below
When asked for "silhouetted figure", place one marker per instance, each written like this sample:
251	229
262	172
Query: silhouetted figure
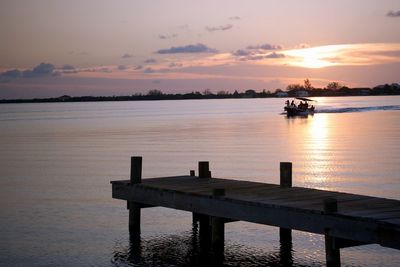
301	105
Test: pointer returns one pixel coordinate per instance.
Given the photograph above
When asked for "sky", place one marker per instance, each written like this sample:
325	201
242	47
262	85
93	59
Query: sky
49	48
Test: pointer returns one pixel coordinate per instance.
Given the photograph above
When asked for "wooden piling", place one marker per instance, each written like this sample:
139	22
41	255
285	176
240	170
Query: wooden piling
286	174
135	208
285	248
332	249
285	234
136	170
134	218
204	232
217	237
204	220
217	232
204	169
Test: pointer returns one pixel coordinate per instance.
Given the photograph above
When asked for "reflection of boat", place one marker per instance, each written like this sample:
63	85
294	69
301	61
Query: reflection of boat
301	108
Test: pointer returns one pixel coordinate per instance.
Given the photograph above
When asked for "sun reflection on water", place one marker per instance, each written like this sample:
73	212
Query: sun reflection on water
319	147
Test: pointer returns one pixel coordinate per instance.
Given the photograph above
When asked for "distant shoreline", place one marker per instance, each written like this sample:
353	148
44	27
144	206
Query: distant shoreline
156	95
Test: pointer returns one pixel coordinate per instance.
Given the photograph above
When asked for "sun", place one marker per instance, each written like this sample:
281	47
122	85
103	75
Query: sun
312	61
314	57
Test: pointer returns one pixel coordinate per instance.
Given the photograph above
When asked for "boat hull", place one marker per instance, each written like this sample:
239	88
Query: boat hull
294	111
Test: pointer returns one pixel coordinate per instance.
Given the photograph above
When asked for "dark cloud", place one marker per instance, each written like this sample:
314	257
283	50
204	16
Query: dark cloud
126	55
103	70
197	48
264	47
393	14
122	67
241	52
234	18
43	69
150	60
167	36
68	67
175	65
12	73
149	70
257	52
252	56
219	28
274	55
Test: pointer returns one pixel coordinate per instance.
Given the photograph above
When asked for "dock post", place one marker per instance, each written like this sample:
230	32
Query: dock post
217	232
217	227
217	239
332	249
286	174
285	234
204	232
135	208
204	169
204	220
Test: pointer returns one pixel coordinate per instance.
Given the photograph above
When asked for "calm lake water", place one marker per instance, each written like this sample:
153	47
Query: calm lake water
57	160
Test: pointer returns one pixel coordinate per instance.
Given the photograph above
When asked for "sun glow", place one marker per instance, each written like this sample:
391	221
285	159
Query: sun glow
343	55
315	57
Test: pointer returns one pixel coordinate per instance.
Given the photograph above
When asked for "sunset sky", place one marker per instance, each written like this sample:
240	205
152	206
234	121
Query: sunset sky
96	47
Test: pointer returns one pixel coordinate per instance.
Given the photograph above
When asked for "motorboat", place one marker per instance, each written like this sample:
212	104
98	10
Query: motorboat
299	108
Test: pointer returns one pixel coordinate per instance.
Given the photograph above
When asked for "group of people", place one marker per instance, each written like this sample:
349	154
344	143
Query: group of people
302	105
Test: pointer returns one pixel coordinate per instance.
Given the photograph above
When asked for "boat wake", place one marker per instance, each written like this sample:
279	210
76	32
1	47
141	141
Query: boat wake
356	109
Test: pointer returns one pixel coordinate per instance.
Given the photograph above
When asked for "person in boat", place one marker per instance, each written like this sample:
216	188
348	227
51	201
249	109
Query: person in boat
287	103
301	105
293	104
306	105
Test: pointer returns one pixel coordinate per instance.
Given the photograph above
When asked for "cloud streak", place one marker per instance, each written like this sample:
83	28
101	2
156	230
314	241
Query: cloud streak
234	18
196	48
126	55
219	28
393	14
150	60
264	47
167	36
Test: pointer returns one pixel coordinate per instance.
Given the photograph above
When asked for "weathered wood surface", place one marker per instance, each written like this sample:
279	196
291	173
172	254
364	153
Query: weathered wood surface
360	218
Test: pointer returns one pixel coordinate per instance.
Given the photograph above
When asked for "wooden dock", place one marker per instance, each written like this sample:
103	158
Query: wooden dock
345	219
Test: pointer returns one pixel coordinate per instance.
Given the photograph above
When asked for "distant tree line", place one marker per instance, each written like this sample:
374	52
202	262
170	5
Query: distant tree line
338	89
292	90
